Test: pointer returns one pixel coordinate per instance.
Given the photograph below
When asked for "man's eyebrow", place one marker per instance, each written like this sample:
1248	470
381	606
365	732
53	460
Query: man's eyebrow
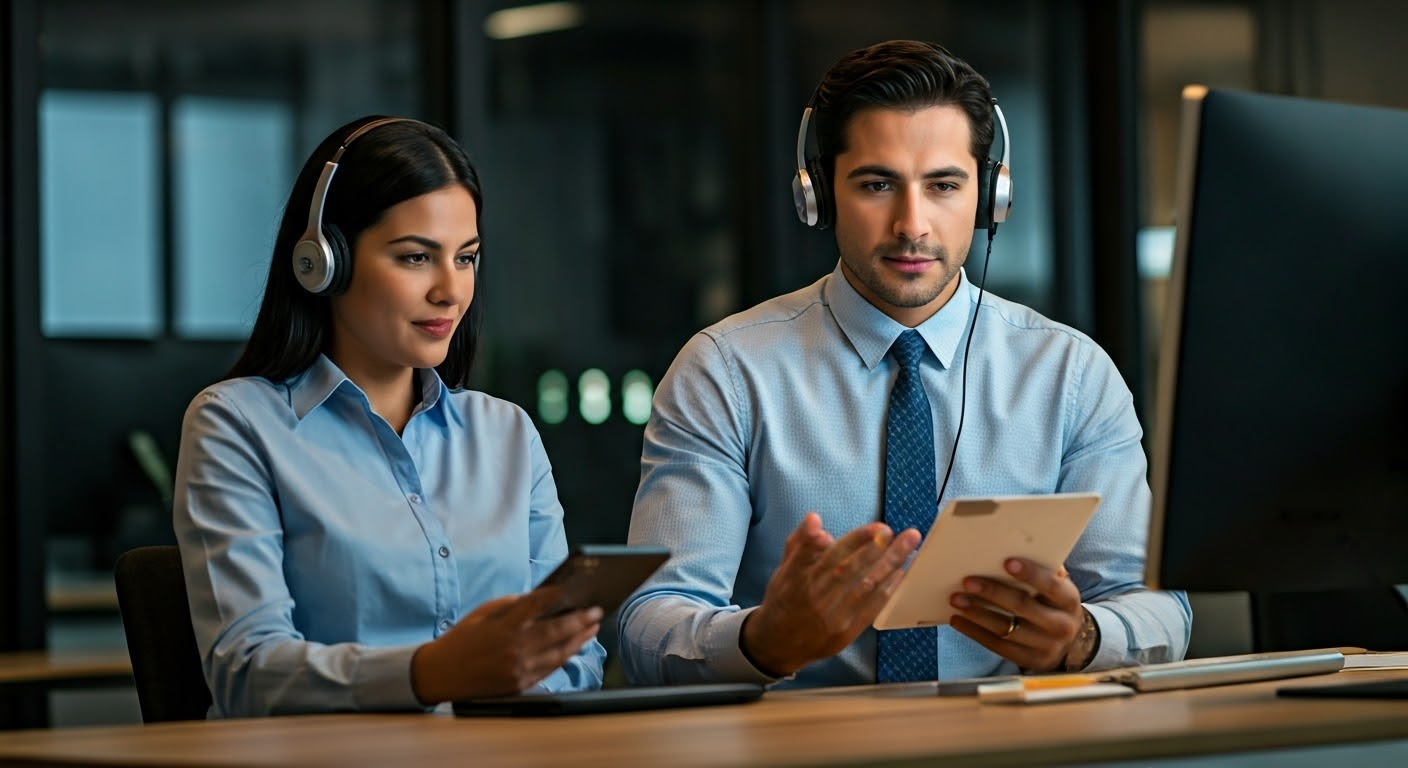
949	172
426	242
873	170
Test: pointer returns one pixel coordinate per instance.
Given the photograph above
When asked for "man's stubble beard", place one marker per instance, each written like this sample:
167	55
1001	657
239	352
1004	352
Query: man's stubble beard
911	290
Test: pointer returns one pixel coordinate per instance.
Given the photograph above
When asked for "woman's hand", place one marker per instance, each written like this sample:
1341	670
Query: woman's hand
501	648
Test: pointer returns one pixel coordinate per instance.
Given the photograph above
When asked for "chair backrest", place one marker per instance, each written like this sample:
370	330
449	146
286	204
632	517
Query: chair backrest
151	594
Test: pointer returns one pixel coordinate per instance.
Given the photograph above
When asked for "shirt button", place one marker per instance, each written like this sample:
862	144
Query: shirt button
415	498
444	551
444	625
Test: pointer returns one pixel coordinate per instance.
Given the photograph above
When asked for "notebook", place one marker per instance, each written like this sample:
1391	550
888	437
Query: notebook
1190	673
1221	670
627	699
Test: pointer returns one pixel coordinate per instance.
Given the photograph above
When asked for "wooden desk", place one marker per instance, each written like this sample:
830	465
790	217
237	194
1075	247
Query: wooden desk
53	669
858	726
84	593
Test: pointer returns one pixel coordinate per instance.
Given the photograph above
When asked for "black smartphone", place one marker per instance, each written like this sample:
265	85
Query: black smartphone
603	575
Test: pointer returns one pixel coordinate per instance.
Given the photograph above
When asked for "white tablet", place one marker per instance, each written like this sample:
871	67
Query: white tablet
973	537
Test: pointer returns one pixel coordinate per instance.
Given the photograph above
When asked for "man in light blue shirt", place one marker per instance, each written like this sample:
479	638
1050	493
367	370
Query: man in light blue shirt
764	459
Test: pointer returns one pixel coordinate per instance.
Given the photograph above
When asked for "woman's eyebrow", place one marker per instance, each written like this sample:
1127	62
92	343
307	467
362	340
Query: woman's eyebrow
426	242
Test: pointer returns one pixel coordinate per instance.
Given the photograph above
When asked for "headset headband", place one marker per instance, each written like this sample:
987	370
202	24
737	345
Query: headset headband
320	191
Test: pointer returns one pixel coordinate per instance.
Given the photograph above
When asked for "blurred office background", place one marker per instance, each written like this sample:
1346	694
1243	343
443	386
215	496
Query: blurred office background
636	156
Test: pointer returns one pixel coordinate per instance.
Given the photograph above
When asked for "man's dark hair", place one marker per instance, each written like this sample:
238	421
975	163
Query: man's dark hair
899	74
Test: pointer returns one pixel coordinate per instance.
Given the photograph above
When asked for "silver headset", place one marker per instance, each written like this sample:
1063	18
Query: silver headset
814	205
320	258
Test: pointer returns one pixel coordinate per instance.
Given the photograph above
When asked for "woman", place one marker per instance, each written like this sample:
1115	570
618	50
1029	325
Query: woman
355	530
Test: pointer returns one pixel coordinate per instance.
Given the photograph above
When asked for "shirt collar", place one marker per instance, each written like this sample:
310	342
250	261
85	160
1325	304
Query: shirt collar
313	387
872	332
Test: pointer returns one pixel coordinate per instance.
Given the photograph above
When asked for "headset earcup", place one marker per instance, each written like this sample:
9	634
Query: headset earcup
983	220
312	264
824	208
340	270
803	198
1001	197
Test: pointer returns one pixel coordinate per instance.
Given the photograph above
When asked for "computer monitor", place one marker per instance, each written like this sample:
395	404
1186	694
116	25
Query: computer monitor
1280	451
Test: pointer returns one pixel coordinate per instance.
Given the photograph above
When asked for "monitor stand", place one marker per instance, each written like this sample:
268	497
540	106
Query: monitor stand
1373	619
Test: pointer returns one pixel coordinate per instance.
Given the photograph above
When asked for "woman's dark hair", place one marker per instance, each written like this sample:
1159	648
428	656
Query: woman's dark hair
388	165
899	74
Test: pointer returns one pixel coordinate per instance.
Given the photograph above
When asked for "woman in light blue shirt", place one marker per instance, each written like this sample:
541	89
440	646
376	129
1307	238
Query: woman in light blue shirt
357	532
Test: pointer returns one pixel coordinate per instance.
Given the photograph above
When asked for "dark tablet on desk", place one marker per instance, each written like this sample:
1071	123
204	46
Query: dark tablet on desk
627	699
1373	689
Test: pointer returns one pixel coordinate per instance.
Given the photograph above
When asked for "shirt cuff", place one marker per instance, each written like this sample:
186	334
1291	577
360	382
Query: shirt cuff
1114	639
384	679
725	653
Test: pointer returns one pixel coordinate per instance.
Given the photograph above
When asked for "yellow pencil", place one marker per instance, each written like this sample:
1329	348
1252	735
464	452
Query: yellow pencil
1057	681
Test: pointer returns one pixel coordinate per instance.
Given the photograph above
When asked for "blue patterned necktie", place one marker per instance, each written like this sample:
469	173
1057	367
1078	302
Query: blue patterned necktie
906	655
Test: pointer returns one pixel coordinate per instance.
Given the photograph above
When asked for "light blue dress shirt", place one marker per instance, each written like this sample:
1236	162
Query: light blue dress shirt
321	549
780	410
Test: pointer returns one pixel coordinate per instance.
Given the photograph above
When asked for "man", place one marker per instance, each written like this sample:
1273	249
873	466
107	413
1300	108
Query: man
794	448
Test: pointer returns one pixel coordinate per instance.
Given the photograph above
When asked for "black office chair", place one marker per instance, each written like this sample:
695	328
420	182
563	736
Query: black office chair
151	594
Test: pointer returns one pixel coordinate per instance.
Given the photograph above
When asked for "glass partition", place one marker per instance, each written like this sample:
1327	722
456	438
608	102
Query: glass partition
233	163
100	179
